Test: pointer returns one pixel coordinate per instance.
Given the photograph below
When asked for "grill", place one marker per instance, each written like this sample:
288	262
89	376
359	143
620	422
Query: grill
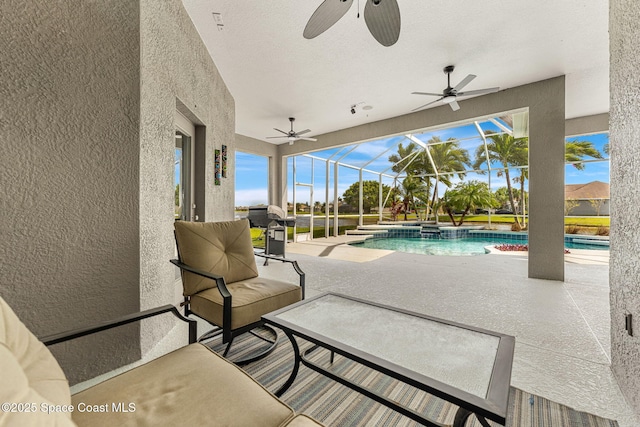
261	216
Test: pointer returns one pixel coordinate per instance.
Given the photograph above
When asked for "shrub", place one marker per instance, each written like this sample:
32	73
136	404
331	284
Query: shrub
571	229
602	231
507	247
517	247
516	227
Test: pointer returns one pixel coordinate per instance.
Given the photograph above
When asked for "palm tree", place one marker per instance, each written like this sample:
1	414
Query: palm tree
576	151
395	201
522	160
414	161
522	202
465	197
506	150
412	189
447	157
408	159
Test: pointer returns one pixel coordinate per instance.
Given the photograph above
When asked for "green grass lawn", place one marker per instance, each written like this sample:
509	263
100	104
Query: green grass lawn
595	221
580	225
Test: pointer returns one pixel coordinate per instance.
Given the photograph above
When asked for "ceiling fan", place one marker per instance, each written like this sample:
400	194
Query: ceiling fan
449	94
381	16
292	135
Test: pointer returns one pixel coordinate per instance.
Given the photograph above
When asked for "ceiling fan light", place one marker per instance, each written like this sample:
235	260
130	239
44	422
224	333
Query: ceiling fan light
448	99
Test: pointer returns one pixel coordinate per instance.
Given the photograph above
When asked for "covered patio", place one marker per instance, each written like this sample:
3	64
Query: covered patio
93	92
563	344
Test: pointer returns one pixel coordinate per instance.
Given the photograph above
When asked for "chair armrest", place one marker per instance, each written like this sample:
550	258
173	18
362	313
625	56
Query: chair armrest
129	318
294	263
273	257
220	282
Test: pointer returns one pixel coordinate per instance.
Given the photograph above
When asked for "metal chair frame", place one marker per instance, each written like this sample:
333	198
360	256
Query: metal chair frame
123	320
229	334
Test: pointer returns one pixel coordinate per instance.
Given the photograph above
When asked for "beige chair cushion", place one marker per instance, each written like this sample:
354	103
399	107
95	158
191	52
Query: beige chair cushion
191	386
30	374
250	300
222	248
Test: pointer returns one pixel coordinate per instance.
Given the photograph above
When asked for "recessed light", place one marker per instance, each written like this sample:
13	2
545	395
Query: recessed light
367	107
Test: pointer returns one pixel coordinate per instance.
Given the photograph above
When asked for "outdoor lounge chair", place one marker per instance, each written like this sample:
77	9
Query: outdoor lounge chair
221	284
189	386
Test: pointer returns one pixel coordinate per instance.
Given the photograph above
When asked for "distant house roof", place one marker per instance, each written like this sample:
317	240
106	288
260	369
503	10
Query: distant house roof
590	190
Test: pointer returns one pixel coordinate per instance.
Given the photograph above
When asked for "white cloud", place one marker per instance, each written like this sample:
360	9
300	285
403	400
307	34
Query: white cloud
252	196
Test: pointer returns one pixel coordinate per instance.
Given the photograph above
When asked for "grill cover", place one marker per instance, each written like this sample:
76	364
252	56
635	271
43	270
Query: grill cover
261	216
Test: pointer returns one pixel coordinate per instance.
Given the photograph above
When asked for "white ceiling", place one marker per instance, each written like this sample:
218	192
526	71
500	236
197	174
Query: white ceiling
274	73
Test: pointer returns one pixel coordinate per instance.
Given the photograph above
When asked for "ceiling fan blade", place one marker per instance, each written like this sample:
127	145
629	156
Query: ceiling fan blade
269	137
426	93
383	20
327	14
479	91
454	105
307	139
286	133
426	105
303	132
464	82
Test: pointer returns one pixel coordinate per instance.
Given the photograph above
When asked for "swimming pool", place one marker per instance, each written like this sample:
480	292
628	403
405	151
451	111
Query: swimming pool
452	247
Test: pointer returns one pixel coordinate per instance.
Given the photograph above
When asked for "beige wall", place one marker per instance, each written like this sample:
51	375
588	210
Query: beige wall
70	170
89	92
587	125
624	136
545	102
176	70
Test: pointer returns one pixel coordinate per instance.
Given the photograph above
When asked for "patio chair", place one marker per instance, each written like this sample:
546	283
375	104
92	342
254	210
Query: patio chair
189	386
221	284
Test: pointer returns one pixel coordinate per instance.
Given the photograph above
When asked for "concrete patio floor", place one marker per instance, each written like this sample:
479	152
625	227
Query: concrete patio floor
561	328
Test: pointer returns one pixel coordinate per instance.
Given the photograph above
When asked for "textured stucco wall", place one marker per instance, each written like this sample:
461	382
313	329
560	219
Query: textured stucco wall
89	92
175	67
624	271
69	97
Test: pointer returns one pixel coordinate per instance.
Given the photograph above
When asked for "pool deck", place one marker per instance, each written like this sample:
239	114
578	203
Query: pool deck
562	329
339	248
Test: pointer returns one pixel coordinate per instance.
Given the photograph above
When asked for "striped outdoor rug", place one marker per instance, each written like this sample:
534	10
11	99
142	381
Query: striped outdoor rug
335	405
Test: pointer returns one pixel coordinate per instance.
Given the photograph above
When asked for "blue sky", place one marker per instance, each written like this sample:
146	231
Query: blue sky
251	170
251	179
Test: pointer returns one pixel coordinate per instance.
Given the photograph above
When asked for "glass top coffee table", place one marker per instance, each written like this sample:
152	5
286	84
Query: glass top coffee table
467	366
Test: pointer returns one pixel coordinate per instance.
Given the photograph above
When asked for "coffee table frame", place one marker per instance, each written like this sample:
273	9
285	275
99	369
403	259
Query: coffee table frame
492	407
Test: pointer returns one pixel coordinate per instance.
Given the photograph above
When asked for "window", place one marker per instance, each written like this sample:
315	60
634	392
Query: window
182	177
252	181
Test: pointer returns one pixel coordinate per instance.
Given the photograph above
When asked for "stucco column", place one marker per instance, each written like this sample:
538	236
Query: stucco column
624	270
546	183
282	186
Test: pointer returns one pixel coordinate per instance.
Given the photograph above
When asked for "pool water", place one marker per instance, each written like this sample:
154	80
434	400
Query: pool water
454	247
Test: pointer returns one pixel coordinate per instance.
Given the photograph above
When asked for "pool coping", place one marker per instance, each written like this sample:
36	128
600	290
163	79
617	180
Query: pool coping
339	248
